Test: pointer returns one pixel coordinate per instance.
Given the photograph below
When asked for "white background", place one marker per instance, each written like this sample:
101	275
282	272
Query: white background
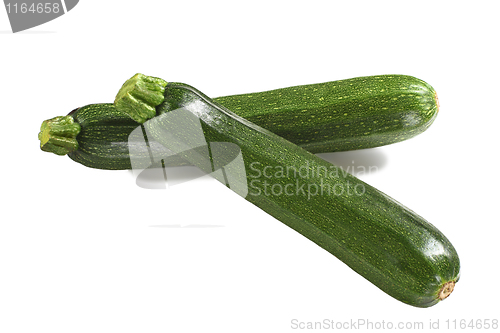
84	250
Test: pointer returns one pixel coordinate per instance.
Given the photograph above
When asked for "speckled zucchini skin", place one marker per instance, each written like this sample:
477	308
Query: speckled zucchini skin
350	114
341	115
382	240
103	138
103	141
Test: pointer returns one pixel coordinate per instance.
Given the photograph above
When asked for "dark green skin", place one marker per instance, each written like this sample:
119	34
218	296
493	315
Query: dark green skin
103	141
103	138
341	115
382	240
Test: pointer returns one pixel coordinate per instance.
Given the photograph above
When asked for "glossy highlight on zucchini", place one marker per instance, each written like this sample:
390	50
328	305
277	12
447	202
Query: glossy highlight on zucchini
349	114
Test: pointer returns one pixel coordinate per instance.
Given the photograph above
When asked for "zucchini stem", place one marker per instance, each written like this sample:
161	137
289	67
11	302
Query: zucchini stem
139	96
58	135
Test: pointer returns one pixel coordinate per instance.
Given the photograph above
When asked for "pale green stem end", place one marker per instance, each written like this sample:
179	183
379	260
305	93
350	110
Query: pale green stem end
139	96
58	135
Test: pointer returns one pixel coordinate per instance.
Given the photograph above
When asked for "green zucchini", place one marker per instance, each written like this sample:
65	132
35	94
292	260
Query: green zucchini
385	242
341	115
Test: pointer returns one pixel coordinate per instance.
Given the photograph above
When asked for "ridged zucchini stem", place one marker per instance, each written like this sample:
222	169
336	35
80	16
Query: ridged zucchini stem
139	96
58	135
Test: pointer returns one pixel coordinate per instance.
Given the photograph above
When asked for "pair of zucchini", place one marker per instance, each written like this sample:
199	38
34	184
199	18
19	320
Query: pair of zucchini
382	240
